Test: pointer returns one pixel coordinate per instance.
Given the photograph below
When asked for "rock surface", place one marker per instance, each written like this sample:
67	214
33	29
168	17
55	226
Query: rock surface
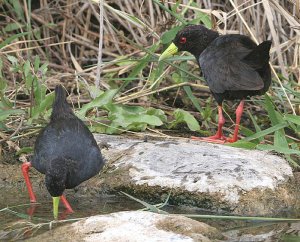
207	175
134	227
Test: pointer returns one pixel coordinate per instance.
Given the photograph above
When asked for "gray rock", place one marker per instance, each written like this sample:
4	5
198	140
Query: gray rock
210	176
134	227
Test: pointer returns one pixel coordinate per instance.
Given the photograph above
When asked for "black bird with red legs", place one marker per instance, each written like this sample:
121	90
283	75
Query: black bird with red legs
233	66
65	151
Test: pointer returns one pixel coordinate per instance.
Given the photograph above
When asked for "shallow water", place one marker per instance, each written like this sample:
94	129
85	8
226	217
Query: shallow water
21	213
17	224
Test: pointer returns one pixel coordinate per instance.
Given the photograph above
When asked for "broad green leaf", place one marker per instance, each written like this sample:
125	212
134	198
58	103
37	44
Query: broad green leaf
99	101
182	116
126	119
124	109
98	128
158	113
133	118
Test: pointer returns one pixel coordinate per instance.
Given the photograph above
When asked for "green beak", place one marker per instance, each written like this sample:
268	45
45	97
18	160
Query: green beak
170	51
55	207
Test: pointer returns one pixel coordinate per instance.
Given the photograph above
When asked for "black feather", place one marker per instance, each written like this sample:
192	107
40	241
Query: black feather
65	150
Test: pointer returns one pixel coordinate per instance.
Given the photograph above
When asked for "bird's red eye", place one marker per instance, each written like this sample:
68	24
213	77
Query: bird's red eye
182	40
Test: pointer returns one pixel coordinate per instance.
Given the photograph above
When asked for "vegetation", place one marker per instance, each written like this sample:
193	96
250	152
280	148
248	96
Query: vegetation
43	43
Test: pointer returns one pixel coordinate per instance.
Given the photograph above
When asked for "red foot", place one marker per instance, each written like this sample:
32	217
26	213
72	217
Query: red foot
66	204
25	170
211	139
64	214
231	140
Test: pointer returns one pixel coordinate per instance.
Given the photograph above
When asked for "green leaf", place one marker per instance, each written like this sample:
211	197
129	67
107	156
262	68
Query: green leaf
3	85
24	150
274	116
292	118
124	119
169	35
99	101
26	68
11	38
18	9
6	113
28	80
176	15
140	65
158	113
256	126
243	144
290	238
5	103
13	60
42	107
12	26
134	118
266	131
182	116
193	99
37	62
280	139
278	149
44	68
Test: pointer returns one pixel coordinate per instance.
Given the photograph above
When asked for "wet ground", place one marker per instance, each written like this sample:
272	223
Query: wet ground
23	221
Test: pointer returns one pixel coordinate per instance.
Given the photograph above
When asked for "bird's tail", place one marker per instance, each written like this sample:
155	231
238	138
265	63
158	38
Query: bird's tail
60	108
260	56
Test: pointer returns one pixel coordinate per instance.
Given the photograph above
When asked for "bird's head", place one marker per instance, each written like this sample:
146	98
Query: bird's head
192	38
56	176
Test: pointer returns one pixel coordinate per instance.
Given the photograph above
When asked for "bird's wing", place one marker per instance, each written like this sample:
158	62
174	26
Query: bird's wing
224	69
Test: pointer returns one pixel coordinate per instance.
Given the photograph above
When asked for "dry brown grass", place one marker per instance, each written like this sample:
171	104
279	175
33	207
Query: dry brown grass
69	31
66	35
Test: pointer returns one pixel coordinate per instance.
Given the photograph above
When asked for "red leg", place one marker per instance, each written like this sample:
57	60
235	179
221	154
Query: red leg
66	204
218	137
31	210
238	113
25	170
